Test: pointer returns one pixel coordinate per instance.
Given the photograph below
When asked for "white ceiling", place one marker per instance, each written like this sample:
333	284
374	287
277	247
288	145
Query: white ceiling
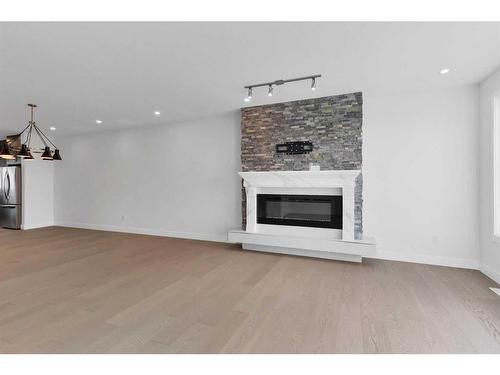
122	72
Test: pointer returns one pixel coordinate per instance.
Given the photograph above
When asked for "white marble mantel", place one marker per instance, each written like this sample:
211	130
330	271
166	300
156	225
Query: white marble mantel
336	178
302	182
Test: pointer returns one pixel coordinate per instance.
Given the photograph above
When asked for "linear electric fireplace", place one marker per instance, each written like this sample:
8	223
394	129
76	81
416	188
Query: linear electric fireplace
320	211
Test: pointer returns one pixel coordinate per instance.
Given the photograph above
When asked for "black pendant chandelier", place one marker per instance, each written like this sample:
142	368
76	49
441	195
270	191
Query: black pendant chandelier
31	129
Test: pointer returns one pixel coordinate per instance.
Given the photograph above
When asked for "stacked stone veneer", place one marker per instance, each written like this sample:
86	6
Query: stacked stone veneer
333	124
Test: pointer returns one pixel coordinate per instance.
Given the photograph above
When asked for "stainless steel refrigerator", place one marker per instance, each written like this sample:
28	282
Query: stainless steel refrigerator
10	197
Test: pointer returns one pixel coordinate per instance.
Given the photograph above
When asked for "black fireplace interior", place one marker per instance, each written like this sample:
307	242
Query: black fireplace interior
320	211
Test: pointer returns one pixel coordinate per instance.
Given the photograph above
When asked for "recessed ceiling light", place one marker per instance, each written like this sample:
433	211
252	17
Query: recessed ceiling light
52	128
98	121
157	113
445	71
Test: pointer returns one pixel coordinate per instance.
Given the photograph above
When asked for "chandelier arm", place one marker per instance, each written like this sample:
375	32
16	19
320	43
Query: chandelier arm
24	129
40	135
28	140
47	138
28	135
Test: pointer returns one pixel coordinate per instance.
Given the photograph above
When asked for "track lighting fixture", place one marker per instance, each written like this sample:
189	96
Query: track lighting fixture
270	85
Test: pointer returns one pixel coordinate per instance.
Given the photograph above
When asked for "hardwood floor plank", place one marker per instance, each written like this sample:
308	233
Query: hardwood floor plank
65	290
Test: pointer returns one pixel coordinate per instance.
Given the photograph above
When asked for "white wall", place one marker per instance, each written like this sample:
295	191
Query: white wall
420	158
177	179
38	193
420	169
490	247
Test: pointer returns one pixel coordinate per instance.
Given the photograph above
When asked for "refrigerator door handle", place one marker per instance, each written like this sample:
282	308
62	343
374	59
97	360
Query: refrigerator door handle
7	191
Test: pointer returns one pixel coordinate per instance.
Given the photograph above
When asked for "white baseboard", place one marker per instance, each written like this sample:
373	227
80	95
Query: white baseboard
401	257
35	226
490	272
147	231
427	259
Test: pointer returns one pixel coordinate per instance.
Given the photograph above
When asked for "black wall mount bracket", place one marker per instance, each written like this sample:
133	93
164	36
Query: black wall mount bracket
294	148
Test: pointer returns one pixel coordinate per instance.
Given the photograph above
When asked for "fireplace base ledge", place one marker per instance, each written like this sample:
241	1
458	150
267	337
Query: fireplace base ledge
337	249
304	253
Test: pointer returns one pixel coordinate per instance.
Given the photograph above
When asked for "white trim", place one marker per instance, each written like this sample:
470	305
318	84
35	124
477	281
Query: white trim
490	272
304	253
401	257
496	163
36	226
360	248
147	231
427	259
330	182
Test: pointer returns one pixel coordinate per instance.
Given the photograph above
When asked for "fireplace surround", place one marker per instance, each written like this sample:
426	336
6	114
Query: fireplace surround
333	126
285	196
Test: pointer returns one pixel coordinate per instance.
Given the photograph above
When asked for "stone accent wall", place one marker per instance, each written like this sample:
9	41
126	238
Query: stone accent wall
333	124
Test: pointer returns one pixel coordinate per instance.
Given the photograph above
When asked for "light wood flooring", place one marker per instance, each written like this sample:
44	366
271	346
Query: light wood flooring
80	291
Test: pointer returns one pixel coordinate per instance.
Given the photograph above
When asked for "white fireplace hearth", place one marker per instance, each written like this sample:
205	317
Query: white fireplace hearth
330	240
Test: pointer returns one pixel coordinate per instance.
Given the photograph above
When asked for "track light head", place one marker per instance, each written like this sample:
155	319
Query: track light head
313	84
270	91
249	95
